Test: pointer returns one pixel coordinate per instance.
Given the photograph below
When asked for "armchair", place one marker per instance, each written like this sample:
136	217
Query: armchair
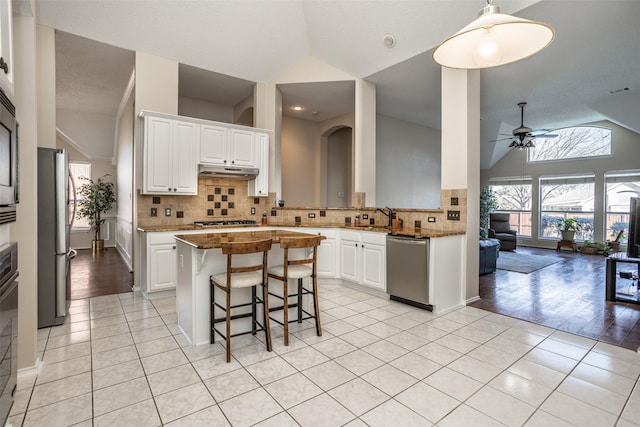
499	228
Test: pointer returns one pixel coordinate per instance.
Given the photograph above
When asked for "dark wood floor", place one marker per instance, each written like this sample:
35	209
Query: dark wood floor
99	274
569	296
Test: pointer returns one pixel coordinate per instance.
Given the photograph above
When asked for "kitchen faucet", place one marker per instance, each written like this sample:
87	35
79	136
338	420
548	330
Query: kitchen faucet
391	214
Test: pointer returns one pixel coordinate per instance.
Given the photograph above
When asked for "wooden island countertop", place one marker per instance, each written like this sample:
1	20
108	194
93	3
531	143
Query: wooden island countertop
214	240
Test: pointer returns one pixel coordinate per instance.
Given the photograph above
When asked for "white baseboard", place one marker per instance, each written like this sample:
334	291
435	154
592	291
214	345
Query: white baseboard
470	300
27	376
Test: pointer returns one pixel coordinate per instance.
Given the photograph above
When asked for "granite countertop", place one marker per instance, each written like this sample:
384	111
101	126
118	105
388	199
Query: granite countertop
214	240
421	232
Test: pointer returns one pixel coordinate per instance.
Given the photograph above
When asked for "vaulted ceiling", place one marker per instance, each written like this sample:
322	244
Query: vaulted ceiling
594	53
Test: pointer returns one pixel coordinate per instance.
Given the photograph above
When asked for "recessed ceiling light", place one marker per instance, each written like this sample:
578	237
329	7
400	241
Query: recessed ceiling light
297	108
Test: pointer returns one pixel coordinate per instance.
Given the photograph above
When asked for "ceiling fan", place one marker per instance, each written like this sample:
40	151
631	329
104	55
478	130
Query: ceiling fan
523	136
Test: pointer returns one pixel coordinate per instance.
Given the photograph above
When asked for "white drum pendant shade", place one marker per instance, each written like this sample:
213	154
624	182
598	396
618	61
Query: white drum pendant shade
493	39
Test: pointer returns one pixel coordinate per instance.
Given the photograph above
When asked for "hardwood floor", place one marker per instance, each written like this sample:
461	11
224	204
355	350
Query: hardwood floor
100	274
569	296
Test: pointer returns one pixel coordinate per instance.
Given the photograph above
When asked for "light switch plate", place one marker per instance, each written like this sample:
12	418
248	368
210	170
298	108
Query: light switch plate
453	215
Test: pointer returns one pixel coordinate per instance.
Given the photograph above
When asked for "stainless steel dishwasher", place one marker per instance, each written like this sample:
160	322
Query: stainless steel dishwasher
408	270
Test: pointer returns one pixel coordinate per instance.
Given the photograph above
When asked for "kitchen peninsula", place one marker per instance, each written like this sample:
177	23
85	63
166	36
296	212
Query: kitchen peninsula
199	256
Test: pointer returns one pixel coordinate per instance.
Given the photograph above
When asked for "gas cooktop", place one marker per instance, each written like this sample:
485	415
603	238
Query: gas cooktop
225	222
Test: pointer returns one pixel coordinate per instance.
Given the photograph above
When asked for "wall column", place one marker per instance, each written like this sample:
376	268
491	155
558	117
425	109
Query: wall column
364	170
461	158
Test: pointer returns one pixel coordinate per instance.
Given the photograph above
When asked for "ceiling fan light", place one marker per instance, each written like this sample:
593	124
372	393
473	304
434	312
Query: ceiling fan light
493	39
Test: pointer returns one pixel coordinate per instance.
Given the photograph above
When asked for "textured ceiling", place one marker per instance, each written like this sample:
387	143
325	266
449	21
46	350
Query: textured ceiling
595	51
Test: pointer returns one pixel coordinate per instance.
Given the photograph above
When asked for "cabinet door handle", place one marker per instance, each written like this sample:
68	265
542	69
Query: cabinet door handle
169	189
233	162
4	65
174	247
224	161
175	189
356	245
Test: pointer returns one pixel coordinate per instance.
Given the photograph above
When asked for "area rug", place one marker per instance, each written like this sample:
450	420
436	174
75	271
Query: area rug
524	263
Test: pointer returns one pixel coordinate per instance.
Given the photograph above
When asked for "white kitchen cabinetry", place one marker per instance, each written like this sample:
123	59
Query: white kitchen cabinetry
260	186
6	47
328	260
170	148
159	261
227	146
363	258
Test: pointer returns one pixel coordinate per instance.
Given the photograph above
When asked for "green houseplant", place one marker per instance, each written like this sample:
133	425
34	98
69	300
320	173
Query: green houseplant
568	228
488	203
94	199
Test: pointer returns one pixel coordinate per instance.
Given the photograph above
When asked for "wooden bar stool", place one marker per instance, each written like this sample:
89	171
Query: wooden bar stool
297	269
242	277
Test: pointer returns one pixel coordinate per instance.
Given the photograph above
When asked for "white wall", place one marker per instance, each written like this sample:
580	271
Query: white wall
192	107
88	130
125	186
339	168
407	164
23	231
625	156
300	154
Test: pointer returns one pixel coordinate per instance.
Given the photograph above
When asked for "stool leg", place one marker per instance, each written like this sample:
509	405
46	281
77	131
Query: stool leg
228	337
316	305
265	315
299	300
212	314
285	294
253	310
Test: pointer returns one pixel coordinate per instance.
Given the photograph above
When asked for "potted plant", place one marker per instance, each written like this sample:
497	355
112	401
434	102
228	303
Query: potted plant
488	203
94	199
589	248
568	228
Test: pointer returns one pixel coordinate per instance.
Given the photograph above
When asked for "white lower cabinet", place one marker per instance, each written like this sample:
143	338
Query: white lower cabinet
328	252
363	258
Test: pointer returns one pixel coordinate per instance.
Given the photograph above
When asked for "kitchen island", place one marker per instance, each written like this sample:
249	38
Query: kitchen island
198	257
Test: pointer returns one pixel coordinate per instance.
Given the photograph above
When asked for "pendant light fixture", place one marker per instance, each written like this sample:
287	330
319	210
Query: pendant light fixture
493	39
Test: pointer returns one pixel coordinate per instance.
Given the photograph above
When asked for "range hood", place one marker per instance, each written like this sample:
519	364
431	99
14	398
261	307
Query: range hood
235	172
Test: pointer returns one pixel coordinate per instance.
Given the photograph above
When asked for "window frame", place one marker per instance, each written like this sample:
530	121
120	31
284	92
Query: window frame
73	199
568	159
520	224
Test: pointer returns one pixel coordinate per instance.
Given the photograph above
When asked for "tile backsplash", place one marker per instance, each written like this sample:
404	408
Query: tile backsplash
217	198
220	199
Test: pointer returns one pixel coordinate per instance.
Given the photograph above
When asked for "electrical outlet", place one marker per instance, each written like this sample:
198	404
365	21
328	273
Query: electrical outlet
453	215
154	211
431	219
365	216
167	211
311	215
253	211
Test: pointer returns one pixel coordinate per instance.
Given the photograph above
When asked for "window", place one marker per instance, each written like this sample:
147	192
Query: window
620	187
514	197
563	197
571	143
80	172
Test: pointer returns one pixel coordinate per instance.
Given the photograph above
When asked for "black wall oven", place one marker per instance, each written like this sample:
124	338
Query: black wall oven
9	181
8	327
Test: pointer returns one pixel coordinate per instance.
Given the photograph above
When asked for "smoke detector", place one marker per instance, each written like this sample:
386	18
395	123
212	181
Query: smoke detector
389	40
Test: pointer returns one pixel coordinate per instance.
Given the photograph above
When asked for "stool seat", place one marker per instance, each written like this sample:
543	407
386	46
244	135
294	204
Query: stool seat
239	280
293	272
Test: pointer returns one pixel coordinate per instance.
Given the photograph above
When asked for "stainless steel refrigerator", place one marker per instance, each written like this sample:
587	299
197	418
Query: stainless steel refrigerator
54	227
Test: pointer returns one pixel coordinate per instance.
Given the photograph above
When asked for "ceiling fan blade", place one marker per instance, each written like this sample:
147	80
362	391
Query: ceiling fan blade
500	139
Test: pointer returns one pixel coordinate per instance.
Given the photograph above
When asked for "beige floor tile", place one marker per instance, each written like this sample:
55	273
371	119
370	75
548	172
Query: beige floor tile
358	396
55	371
389	379
61	414
183	401
116	374
500	406
162	361
141	414
292	390
114	357
120	395
430	403
453	383
329	375
415	365
576	412
270	370
210	417
521	388
231	384
172	379
464	415
61	389
392	413
250	408
321	411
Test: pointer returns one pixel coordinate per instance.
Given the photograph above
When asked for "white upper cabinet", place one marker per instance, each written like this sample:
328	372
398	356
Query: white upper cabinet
259	187
6	47
170	148
242	148
227	146
214	144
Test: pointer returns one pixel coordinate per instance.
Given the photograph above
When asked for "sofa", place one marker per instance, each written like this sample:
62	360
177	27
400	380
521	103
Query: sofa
489	253
500	228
